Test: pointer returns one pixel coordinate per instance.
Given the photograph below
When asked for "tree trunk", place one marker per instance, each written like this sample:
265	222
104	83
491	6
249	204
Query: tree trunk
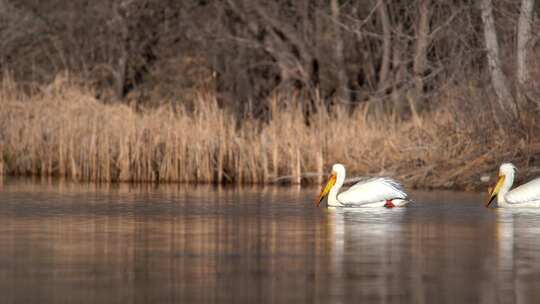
498	79
420	56
338	53
3	8
386	46
399	71
523	43
120	68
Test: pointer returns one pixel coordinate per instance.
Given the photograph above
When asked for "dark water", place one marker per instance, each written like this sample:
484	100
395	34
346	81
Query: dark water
67	243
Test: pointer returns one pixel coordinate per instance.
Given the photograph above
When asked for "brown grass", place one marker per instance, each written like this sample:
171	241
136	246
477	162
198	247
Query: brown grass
64	131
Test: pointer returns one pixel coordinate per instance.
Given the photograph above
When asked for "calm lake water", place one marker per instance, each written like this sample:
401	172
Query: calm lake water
72	243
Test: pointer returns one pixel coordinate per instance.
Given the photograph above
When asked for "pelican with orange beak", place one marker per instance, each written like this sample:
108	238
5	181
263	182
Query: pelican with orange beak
526	195
374	192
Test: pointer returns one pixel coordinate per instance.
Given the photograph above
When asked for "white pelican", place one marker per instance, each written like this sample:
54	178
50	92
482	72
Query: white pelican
374	192
526	195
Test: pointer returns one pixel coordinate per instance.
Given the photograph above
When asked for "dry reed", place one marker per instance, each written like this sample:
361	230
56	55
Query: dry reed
64	131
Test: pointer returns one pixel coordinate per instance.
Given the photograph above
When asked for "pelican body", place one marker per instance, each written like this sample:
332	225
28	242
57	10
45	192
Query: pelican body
374	192
526	195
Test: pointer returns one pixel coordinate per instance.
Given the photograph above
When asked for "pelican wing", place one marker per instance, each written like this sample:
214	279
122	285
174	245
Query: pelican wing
525	193
372	190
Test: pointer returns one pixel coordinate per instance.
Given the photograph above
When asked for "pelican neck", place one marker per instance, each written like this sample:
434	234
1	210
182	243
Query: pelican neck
505	188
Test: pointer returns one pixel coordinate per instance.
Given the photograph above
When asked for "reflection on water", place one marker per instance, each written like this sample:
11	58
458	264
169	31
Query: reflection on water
518	259
69	243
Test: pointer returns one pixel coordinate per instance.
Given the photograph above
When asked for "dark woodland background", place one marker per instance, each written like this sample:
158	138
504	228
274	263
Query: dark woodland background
394	53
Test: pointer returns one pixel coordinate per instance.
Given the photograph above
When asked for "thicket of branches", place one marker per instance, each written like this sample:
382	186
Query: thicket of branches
393	53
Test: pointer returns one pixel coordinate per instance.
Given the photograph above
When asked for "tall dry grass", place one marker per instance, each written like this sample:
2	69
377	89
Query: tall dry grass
64	131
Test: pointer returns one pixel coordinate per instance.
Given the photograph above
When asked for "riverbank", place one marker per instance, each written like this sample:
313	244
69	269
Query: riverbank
65	132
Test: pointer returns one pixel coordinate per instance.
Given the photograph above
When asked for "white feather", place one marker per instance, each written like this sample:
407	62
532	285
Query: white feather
374	190
528	192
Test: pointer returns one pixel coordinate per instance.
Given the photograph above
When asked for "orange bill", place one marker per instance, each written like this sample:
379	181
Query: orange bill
324	192
493	193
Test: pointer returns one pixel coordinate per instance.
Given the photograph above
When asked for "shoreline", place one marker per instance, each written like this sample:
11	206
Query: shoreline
55	182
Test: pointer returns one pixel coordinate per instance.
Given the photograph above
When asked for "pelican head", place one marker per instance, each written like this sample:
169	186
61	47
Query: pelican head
506	172
337	174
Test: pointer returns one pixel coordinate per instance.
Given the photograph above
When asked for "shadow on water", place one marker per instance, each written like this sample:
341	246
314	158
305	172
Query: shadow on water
69	243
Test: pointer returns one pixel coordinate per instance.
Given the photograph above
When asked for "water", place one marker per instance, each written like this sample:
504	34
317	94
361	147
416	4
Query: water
69	243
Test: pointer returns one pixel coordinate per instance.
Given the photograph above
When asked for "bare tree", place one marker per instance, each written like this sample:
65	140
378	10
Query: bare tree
119	22
524	35
498	79
386	45
422	44
338	51
400	73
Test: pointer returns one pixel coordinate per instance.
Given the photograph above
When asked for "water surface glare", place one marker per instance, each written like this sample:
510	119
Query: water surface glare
73	243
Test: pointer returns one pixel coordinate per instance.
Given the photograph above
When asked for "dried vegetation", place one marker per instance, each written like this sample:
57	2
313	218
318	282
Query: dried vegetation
64	131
